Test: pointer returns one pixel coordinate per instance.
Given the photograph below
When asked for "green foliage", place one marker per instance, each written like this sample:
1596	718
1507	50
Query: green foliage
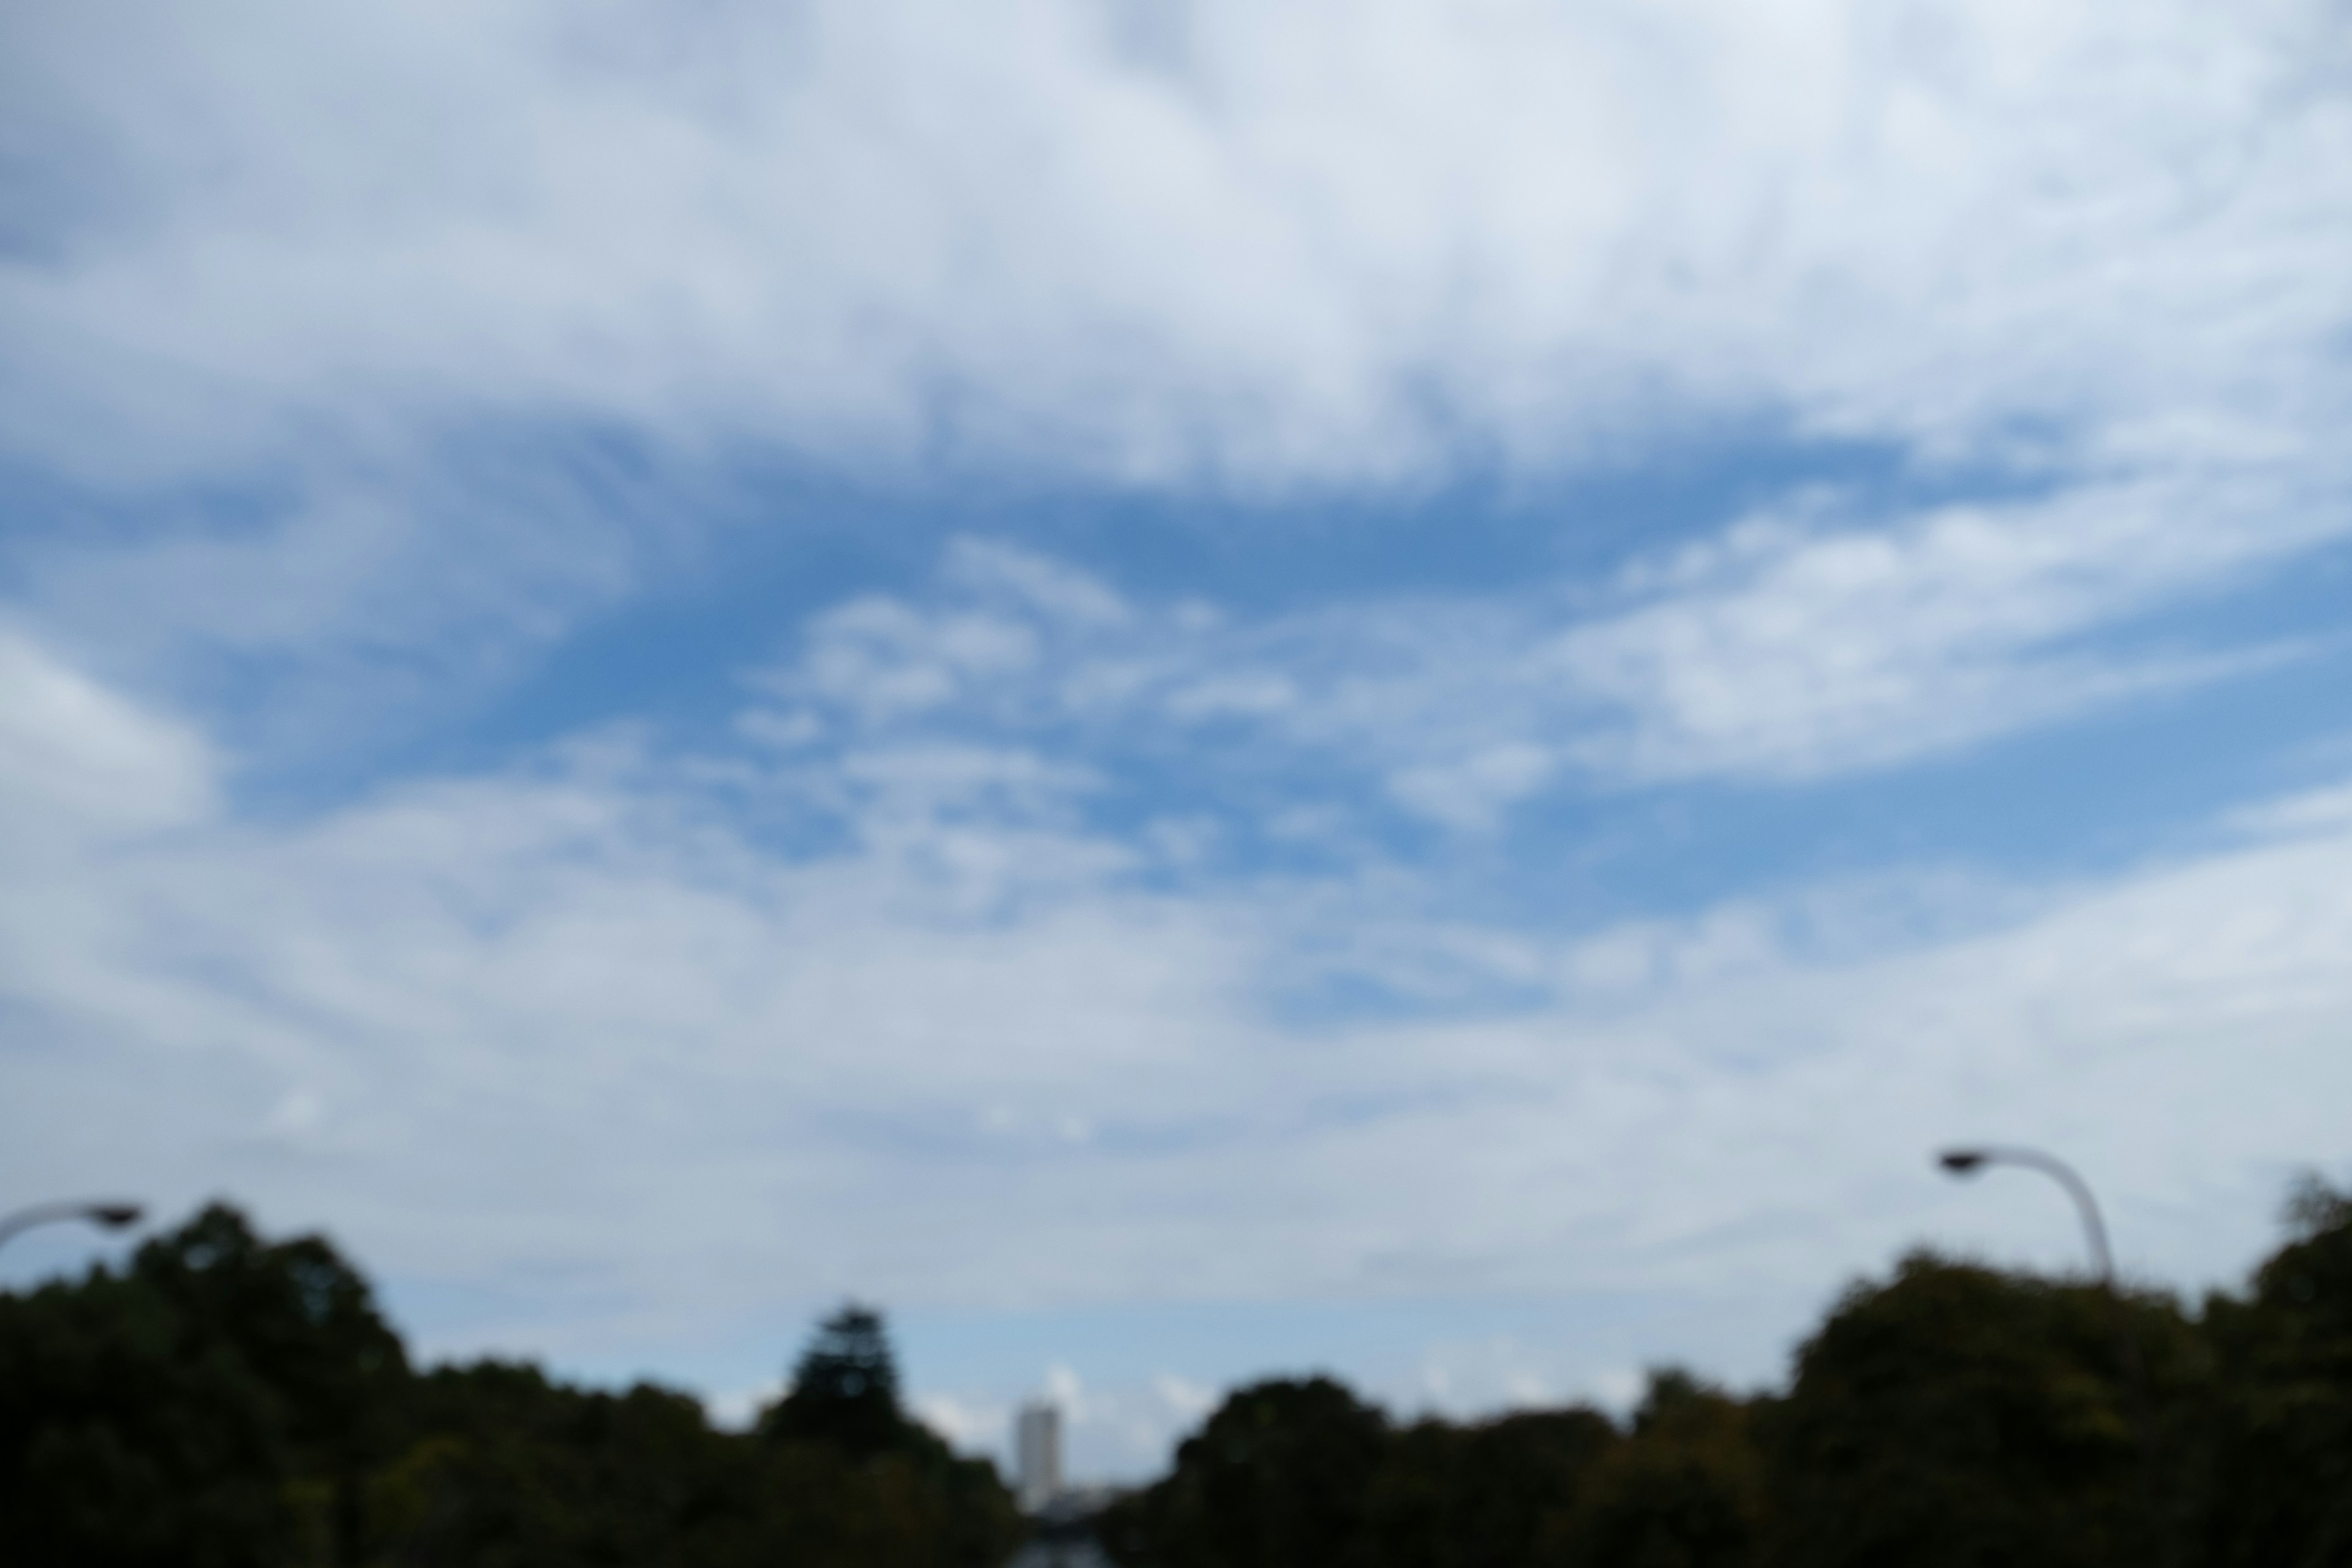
845	1389
1951	1415
505	1468
842	1417
2284	1485
1684	1489
510	1470
514	1470
225	1403
216	1404
1280	1474
1291	1472
1496	1494
1961	1415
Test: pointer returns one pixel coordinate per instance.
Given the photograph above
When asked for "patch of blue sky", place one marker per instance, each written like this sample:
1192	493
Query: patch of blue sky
2093	794
63	1250
1329	997
46	508
672	660
741	546
723	573
498	1315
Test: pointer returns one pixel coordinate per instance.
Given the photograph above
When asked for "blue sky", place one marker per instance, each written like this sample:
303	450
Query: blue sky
1188	689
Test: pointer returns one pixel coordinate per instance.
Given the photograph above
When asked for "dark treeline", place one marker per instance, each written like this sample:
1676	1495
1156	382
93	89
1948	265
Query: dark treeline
224	1402
227	1403
1951	1417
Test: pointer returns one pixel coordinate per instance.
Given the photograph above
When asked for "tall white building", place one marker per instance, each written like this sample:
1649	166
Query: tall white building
1037	1451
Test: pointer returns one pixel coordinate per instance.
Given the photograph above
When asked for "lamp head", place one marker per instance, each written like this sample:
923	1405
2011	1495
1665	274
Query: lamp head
1961	1161
114	1216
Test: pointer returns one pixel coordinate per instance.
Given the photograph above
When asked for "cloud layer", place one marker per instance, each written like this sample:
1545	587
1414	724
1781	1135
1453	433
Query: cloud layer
567	1030
1258	242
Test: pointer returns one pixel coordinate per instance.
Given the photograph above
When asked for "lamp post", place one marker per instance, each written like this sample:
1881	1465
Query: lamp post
1968	1162
110	1216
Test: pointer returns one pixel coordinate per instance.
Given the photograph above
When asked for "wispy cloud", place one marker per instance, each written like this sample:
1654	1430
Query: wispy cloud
501	1023
355	273
1786	648
1237	240
80	761
1796	645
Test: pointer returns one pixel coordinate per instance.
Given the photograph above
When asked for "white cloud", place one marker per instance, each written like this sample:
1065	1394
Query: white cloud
1271	243
78	761
882	660
1471	794
337	606
1460	1378
1188	1399
362	262
2319	812
1797	644
573	1023
1782	650
972	1426
1120	1430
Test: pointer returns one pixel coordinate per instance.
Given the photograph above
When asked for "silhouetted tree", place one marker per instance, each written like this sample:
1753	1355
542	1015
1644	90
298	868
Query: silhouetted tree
1961	1415
2284	1471
843	1409
505	1467
226	1401
217	1402
845	1390
1279	1475
1496	1494
1684	1489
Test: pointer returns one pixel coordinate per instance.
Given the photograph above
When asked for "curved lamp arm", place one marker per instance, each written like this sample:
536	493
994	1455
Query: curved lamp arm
1969	1162
109	1216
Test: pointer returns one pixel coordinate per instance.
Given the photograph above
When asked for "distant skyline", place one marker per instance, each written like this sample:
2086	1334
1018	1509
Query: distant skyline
1188	689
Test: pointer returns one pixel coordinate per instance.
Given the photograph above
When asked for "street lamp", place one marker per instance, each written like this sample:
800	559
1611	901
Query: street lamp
1964	1162
1969	1162
112	1216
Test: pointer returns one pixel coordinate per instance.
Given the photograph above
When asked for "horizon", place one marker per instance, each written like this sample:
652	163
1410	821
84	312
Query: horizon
2310	1205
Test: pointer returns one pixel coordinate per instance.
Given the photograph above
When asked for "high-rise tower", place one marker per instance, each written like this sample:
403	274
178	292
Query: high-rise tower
1037	1448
